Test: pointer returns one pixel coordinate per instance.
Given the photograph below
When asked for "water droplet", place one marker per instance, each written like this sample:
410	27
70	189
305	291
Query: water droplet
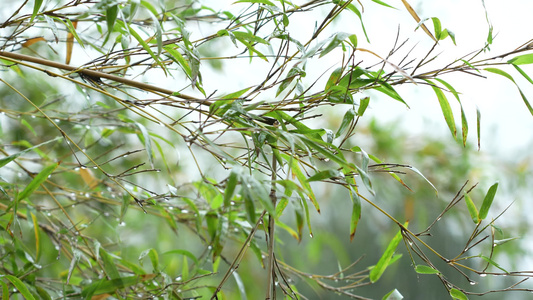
170	207
438	219
122	224
76	233
95	167
311	235
76	169
473	283
184	211
33	117
48	214
232	203
84	167
125	155
87	127
178	278
56	120
209	247
56	247
483	275
87	195
106	214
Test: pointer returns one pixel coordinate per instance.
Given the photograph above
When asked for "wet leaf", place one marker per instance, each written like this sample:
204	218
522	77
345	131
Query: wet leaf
445	107
20	286
346	121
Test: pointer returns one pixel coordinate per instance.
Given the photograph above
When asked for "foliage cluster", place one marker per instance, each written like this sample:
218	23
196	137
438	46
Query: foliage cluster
116	138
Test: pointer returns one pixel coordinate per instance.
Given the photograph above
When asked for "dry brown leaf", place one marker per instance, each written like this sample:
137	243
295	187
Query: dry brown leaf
88	178
32	41
417	19
70	43
100	297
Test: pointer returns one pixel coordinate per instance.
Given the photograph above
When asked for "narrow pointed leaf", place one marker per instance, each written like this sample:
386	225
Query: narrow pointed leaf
506	75
487	202
20	286
385	259
393	295
522	59
5	160
356	213
427	180
417	19
478	125
363	104
37	181
230	187
445	107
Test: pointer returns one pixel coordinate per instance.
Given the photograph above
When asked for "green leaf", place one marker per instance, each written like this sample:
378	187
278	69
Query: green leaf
464	123
478	125
108	286
326	174
423	269
146	47
36	6
293	73
20	286
394	294
296	171
522	59
335	40
487	202
184	253
363	104
346	121
472	209
333	78
356	212
458	295
37	181
387	89
230	187
385	259
5	160
383	3
109	265
438	28
445	107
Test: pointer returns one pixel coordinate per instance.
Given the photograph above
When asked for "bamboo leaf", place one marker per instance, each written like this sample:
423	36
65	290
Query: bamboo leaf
383	3
37	181
36	6
445	107
335	41
423	269
37	233
5	160
458	295
464	122
20	286
427	180
109	265
417	19
522	59
326	174
356	212
478	125
333	78
487	202
230	187
490	261
385	259
474	214
438	28
346	121
363	104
